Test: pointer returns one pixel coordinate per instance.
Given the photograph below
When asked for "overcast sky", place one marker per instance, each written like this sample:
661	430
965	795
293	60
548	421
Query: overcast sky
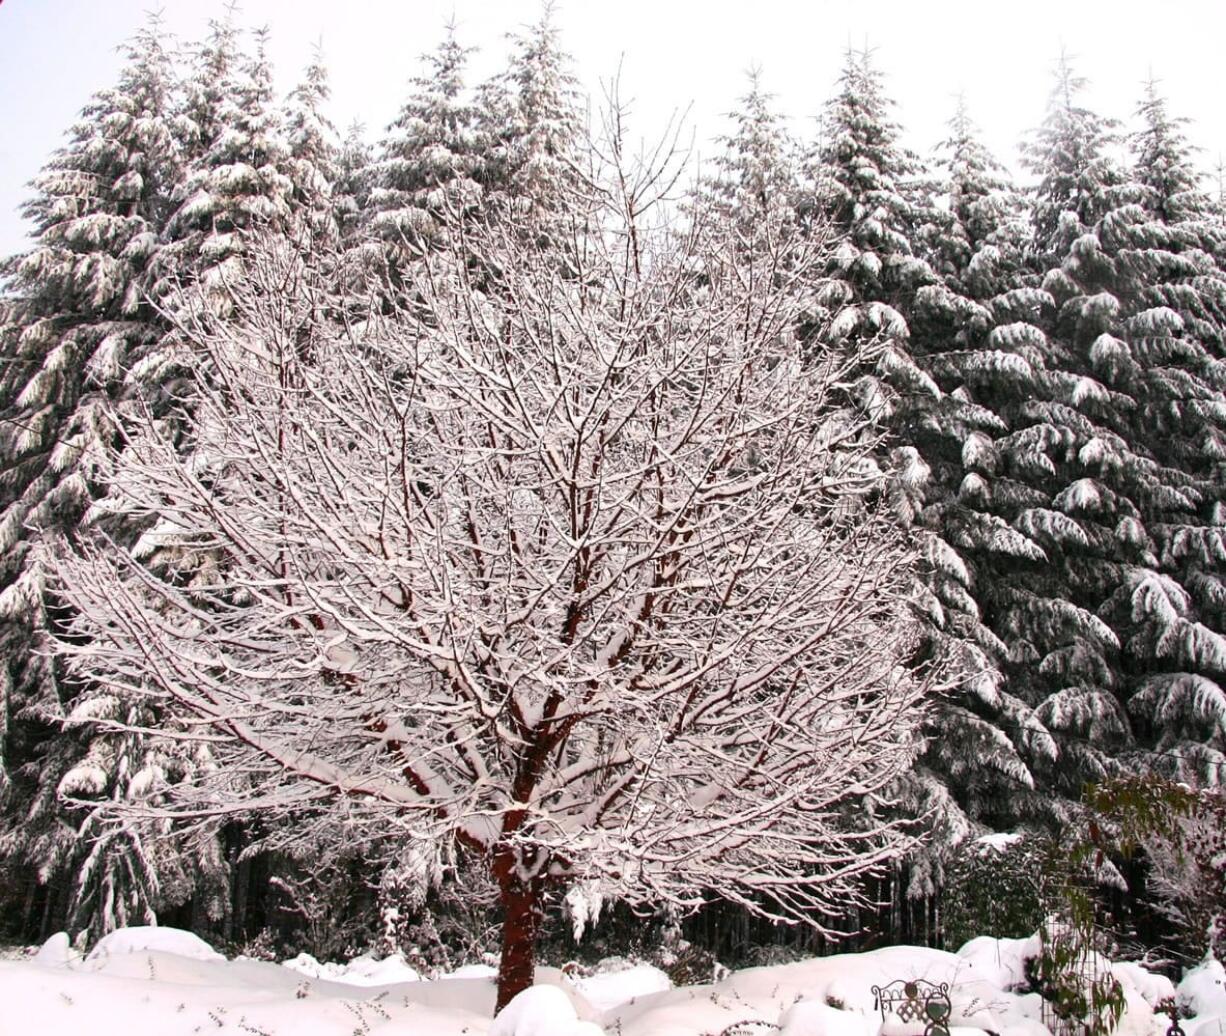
675	54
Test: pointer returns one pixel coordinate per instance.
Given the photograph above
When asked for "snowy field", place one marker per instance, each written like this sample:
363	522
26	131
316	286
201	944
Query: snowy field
163	982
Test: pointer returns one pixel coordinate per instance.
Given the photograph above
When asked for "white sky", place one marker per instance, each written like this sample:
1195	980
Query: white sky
677	53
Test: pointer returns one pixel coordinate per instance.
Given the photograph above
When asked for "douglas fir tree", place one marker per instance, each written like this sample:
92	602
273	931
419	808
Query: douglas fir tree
1167	345
313	162
871	193
77	323
530	130
971	333
429	162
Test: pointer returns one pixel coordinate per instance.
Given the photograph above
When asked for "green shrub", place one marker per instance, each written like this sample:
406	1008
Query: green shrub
992	887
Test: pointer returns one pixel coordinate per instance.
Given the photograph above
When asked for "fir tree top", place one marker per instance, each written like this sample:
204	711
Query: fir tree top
430	157
1070	152
1163	161
530	118
314	156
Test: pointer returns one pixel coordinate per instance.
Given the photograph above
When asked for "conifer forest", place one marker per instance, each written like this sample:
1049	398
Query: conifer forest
489	534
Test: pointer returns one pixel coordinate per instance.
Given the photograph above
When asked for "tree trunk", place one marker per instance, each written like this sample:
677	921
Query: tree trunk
44	931
521	920
242	886
27	913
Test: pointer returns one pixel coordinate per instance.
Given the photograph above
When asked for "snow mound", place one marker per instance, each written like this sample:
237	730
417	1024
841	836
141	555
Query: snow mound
1138	1017
366	970
1203	989
607	989
145	938
843	982
307	965
142	995
161	982
1000	962
542	1011
56	951
1154	988
814	1018
1025	1026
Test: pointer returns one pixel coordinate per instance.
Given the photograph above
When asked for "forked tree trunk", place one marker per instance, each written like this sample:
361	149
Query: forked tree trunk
520	901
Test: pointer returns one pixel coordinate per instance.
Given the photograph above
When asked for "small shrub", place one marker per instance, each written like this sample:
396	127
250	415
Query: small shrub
993	888
691	965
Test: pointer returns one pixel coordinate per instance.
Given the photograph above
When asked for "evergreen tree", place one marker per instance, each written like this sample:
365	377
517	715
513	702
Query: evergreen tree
314	158
978	250
1044	602
530	126
234	183
1168	346
751	197
874	195
359	255
227	183
972	335
1079	180
429	160
1162	162
351	195
1077	620
76	322
236	178
870	191
756	180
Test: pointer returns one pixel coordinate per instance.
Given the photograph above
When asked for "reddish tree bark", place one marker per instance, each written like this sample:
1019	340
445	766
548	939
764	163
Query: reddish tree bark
520	900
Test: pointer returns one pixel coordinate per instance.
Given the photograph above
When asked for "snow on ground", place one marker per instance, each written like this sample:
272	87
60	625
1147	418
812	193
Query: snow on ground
998	841
1000	962
542	1011
1203	989
1154	988
617	984
810	1017
140	938
473	971
162	982
844	982
361	971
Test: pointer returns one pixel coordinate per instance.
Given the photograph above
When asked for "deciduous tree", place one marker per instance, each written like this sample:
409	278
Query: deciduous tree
565	569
